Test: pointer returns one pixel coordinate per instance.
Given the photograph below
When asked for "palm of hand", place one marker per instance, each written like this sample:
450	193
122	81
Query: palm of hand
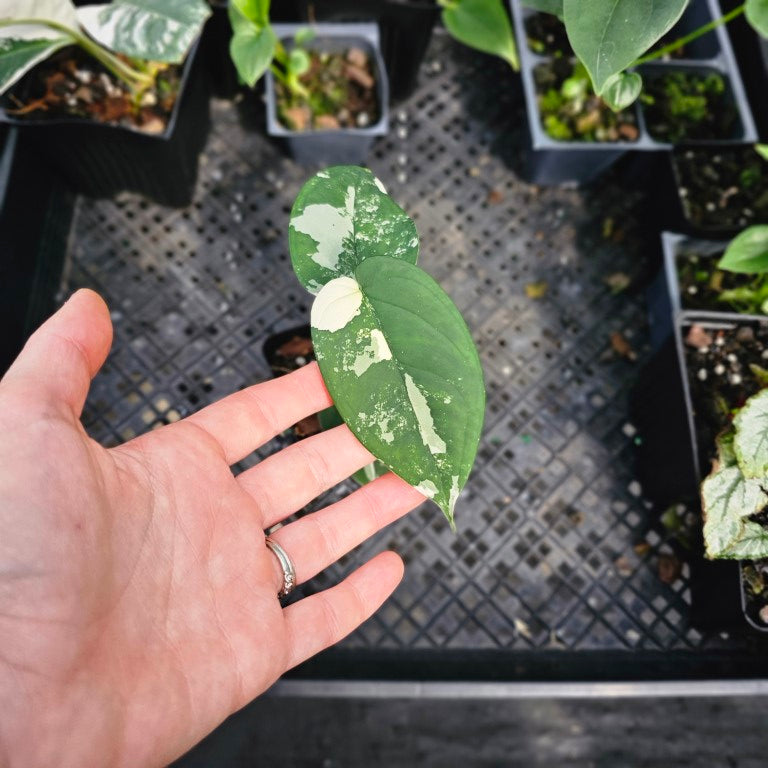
137	599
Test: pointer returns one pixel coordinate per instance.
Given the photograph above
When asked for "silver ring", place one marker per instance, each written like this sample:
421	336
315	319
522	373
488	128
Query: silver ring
289	572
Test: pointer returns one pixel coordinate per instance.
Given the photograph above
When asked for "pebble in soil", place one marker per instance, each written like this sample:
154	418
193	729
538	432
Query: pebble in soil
570	110
724	190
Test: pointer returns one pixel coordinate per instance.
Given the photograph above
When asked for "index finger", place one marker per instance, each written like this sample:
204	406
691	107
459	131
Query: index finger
245	420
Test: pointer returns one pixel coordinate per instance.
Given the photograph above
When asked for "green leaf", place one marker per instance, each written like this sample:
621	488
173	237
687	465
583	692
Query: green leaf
757	15
298	62
728	497
762	150
546	6
254	11
403	372
24	45
622	90
747	253
484	25
752	543
17	57
341	216
153	30
726	453
251	48
609	35
303	36
751	441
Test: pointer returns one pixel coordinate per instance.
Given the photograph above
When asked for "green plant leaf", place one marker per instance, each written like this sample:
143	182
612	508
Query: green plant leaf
622	90
727	498
17	57
24	45
153	30
254	11
403	373
747	253
609	35
762	150
751	441
752	543
252	47
298	62
342	216
484	25
546	6
757	15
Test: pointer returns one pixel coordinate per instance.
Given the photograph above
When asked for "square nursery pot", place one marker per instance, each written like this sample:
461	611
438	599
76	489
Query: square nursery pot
677	420
554	161
405	28
35	216
333	147
100	160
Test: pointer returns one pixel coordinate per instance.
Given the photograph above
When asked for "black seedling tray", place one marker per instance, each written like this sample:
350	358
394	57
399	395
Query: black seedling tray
554	573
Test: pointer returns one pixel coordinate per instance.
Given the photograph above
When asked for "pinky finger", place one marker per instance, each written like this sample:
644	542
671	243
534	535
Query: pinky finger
319	621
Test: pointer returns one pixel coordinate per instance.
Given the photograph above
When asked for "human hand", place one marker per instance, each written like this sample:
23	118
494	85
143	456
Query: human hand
138	601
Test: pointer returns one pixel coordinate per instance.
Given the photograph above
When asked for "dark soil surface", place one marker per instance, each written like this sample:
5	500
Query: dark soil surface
546	35
721	380
681	105
702	284
342	90
73	85
724	189
585	117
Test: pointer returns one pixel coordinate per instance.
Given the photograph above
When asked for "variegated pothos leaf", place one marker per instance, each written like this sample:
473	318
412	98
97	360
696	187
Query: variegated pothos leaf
154	30
403	372
342	216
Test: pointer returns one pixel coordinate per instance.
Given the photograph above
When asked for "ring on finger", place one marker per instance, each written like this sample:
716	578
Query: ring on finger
289	570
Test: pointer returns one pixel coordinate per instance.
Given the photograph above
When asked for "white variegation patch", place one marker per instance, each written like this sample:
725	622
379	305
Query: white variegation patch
428	488
336	304
377	351
424	419
378	183
328	226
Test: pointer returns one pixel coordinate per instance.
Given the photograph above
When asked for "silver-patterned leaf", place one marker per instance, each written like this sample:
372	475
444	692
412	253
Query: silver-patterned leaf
752	543
154	30
751	440
403	372
341	216
727	499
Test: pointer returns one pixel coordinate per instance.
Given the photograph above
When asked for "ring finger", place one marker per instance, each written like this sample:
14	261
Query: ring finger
316	541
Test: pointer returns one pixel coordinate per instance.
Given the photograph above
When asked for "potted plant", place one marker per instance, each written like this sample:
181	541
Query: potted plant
627	68
406	28
107	92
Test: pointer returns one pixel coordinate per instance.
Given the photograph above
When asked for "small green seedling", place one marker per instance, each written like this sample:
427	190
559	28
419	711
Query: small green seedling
734	496
612	36
393	349
145	32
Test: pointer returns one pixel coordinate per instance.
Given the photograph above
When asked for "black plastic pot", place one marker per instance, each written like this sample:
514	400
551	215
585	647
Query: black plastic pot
349	145
100	160
405	28
554	162
35	216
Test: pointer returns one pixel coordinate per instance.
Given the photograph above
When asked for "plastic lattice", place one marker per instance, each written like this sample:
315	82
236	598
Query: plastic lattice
555	547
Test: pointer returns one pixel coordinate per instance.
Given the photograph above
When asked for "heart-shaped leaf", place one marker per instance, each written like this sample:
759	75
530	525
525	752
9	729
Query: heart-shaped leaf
342	216
484	25
622	90
154	30
757	15
747	253
403	372
609	35
751	440
727	499
252	46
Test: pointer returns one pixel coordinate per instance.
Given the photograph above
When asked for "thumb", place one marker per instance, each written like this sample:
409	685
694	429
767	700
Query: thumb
57	364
